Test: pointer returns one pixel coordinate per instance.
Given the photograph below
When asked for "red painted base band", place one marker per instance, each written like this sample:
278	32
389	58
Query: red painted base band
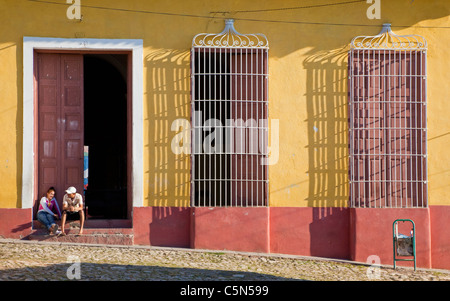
240	229
343	233
372	234
15	223
162	226
321	232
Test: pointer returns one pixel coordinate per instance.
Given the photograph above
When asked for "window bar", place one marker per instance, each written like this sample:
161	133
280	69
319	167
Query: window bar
403	113
353	126
417	132
353	121
364	121
198	124
246	131
262	122
236	144
398	119
360	139
387	92
219	144
251	141
247	121
223	92
392	102
394	128
374	127
264	130
412	132
424	106
393	135
401	142
243	94
372	183
349	108
407	129
374	123
217	98
413	116
403	130
257	79
417	115
378	127
386	133
368	131
226	131
193	98
381	93
205	154
420	133
353	134
423	141
265	106
369	100
372	141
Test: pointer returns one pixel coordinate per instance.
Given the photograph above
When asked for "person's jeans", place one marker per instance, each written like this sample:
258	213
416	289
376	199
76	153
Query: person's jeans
46	218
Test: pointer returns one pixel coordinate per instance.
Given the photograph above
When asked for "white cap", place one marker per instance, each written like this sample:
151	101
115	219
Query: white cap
71	190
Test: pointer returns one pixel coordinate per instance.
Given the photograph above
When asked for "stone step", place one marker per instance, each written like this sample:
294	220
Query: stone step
91	223
110	232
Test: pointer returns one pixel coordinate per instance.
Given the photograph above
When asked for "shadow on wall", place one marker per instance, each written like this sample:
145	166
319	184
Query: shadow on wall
167	175
327	124
170	227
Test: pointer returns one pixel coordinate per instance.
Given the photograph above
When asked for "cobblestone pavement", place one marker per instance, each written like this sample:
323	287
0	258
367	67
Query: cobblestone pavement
30	260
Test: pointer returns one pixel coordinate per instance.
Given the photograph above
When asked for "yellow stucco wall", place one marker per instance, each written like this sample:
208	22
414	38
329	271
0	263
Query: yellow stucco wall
307	85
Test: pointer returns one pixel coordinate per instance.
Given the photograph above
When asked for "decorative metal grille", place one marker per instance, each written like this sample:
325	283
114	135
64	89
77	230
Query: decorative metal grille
229	113
387	121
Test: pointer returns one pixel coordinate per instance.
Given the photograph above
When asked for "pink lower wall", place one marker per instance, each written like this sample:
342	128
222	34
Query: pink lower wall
236	228
162	226
440	237
15	223
322	232
371	233
343	233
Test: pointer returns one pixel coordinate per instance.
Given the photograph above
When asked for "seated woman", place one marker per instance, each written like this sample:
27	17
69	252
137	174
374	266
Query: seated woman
48	211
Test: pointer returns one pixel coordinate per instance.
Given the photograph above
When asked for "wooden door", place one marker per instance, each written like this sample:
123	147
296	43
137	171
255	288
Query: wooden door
60	122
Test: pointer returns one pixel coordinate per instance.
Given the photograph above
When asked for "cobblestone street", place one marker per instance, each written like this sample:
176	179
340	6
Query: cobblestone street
27	260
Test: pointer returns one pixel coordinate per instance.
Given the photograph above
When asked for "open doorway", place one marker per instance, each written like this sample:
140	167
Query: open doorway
51	75
105	135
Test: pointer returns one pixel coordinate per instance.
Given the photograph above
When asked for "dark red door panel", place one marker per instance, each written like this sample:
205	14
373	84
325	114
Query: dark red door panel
60	122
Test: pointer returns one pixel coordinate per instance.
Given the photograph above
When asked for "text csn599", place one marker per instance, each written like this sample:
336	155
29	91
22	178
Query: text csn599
246	290
230	290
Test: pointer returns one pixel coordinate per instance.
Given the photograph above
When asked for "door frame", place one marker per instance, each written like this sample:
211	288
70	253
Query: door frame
135	99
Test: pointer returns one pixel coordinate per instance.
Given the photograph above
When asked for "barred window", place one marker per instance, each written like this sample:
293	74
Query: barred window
229	111
387	121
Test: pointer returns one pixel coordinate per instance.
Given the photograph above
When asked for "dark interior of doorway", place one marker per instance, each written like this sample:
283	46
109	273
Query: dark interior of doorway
105	134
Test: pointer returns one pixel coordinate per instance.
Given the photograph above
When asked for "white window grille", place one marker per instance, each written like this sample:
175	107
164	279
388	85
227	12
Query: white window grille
387	121
229	113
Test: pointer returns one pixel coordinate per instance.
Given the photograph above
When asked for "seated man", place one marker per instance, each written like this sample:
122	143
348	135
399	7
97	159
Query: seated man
72	205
